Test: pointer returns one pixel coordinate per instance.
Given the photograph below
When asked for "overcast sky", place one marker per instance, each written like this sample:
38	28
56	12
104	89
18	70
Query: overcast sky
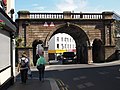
68	5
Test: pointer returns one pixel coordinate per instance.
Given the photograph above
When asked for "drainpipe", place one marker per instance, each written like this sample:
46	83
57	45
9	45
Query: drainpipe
11	57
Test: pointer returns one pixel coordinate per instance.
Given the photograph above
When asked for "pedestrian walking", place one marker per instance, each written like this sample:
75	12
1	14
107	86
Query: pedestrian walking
23	66
41	66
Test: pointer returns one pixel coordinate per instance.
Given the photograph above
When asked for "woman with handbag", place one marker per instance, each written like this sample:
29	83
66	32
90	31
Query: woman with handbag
41	66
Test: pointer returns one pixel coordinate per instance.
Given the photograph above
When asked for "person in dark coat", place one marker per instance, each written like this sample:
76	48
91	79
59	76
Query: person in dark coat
23	66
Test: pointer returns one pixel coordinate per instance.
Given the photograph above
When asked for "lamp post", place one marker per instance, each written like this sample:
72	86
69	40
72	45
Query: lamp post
24	27
11	13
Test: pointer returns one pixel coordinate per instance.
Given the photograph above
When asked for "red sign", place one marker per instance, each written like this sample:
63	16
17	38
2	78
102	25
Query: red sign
4	2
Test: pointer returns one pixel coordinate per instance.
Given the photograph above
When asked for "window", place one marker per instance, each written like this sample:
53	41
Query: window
73	45
65	46
58	46
70	39
65	39
70	45
62	39
57	39
62	46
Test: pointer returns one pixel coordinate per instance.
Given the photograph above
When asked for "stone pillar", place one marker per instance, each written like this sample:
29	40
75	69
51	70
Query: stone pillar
90	56
23	14
31	57
107	15
67	14
46	53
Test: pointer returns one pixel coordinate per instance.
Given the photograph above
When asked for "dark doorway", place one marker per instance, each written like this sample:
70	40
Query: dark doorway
98	51
82	53
34	45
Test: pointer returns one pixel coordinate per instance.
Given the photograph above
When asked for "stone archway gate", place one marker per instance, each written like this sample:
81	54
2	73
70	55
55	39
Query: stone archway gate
41	26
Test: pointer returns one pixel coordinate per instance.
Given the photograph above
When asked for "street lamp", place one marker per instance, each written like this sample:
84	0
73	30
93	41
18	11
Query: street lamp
45	24
24	24
11	13
51	24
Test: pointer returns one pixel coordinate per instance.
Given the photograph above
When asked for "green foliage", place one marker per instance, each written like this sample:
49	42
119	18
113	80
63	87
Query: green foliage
18	41
2	24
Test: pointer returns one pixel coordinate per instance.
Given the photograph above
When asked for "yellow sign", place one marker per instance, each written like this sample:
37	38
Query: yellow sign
56	51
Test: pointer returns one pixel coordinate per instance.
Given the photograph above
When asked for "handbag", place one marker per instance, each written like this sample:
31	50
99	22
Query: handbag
29	72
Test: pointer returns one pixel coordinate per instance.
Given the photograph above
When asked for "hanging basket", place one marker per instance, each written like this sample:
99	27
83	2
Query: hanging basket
2	24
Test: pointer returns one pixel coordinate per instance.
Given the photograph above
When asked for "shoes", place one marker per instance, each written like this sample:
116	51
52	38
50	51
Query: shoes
42	79
23	82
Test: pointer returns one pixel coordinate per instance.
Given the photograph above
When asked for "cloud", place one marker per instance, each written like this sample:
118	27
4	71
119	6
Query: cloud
72	5
79	6
82	5
39	8
34	5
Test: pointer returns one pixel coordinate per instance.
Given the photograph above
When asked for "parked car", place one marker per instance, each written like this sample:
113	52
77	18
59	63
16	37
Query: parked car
68	57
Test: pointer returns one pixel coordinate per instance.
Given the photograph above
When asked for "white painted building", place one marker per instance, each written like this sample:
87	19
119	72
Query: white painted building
7	46
60	43
10	6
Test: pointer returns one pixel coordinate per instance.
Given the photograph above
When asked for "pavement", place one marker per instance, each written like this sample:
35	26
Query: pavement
49	83
34	83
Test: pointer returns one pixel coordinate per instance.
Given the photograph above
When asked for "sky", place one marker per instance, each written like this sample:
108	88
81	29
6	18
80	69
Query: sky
68	5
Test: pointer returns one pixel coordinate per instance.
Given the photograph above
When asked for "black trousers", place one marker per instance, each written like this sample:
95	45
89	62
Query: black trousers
41	73
23	73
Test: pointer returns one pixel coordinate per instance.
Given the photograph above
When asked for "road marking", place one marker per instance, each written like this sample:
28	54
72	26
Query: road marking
81	86
76	79
83	77
117	77
61	84
89	84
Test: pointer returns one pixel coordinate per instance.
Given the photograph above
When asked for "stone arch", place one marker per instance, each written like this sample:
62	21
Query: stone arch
52	33
34	44
80	37
98	51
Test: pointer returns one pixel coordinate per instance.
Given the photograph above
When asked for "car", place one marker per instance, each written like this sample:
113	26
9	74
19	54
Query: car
68	57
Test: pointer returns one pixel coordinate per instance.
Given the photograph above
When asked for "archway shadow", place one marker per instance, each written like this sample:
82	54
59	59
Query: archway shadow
35	43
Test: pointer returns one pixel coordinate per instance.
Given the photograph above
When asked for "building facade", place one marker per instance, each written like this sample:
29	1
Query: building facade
7	47
94	33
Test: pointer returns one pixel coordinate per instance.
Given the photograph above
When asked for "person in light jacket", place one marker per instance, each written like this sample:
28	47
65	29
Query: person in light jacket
41	66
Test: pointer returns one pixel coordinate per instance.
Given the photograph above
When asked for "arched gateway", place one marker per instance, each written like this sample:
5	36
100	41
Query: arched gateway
87	29
80	37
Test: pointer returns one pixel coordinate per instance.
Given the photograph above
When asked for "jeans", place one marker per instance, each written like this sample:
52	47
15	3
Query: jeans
23	73
41	73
